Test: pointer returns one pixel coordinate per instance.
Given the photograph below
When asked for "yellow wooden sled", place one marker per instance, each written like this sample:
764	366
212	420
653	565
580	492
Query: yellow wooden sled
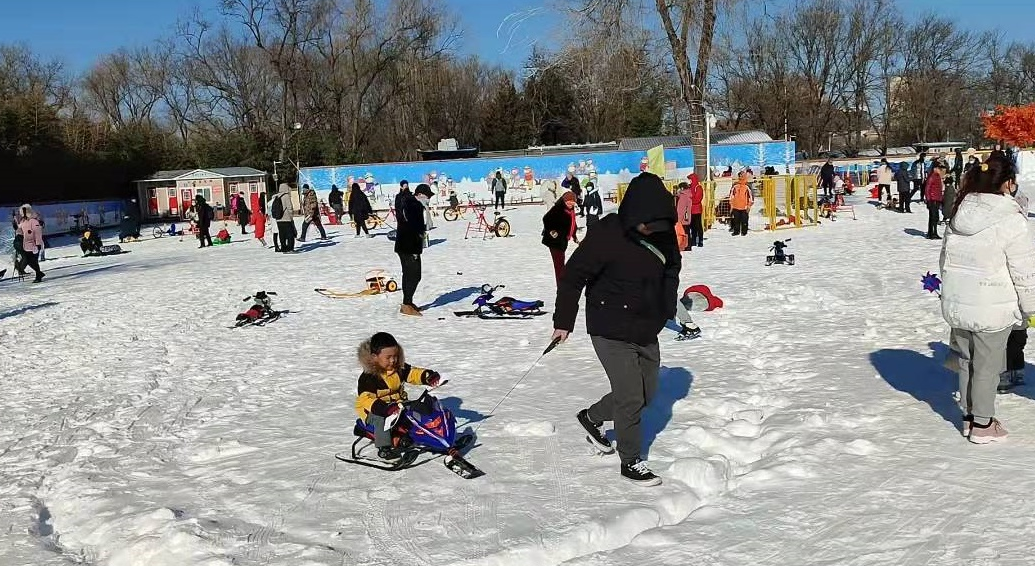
378	282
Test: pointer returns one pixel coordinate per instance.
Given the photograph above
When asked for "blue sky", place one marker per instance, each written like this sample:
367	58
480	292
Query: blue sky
79	31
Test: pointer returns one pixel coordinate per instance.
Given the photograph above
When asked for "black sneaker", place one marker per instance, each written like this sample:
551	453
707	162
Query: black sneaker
638	472
389	454
593	432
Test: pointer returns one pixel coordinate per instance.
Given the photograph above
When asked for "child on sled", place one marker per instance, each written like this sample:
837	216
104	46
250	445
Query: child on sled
382	391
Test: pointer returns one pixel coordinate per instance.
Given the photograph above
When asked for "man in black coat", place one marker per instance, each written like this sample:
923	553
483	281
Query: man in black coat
336	199
205	217
409	243
826	178
629	266
360	209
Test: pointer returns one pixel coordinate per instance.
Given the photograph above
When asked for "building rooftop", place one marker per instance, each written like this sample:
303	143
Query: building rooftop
216	172
743	136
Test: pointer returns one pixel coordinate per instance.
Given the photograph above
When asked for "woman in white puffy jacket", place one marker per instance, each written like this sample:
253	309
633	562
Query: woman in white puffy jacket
988	286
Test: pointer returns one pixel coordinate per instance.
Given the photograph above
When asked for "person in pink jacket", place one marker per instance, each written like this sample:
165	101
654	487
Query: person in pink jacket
32	239
690	208
684	206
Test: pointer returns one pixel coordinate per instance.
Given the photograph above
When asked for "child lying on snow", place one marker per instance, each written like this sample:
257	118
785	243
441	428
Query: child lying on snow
381	389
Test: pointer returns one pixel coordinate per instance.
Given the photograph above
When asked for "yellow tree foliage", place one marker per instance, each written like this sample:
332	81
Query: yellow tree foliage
1014	125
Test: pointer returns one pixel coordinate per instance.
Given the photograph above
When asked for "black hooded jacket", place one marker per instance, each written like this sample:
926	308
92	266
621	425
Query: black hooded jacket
335	197
359	204
409	236
630	291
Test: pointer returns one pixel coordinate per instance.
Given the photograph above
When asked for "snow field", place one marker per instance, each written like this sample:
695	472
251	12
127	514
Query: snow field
809	425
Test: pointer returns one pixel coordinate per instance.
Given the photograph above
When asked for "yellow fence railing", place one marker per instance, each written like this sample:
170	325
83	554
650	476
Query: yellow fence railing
790	201
786	201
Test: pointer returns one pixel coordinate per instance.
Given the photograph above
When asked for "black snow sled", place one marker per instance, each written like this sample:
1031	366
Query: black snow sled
504	308
261	312
424	430
779	257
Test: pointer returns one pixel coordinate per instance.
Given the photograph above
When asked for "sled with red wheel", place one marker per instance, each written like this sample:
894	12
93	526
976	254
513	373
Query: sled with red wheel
378	282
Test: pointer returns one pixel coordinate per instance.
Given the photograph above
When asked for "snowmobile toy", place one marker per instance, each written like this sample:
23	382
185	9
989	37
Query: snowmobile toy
778	255
261	312
505	307
378	282
424	428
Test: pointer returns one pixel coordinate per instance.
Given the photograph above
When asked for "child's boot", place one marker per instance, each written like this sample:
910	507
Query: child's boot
389	453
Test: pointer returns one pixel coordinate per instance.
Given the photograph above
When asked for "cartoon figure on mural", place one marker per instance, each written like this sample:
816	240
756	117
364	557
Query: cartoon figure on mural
370	184
643	164
529	179
62	217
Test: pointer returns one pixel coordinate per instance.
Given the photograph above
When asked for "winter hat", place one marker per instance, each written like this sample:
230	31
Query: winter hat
404	183
424	189
590	187
380	341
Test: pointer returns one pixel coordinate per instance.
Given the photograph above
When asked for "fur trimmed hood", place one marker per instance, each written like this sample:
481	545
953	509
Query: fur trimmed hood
366	359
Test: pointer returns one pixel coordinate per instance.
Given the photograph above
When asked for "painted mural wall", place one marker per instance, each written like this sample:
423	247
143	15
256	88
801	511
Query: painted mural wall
59	218
469	178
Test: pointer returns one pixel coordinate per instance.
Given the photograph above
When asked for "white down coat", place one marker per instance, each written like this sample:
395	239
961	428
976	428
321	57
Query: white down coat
988	265
885	176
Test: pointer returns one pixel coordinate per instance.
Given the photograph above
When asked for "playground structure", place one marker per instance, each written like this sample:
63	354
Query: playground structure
787	201
790	201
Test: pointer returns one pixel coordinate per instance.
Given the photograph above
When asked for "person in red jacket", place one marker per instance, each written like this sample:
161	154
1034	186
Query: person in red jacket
933	195
696	212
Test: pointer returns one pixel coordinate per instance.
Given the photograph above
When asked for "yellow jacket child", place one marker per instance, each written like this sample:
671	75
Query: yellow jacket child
381	388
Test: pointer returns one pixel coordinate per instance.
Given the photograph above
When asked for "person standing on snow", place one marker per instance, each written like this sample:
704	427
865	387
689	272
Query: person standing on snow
741	201
571	182
424	194
826	178
205	217
933	194
988	287
696	212
559	227
918	172
243	214
592	204
409	243
884	178
336	200
499	191
360	209
31	231
629	266
404	192
957	169
903	183
283	211
311	211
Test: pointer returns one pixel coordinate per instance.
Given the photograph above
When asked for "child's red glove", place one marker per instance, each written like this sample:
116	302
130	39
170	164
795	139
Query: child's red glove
392	409
433	378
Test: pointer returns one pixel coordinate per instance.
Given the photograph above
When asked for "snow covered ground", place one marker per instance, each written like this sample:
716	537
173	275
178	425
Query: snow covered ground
813	424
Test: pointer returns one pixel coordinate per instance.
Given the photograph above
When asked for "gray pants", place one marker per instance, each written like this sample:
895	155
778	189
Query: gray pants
382	437
633	372
981	358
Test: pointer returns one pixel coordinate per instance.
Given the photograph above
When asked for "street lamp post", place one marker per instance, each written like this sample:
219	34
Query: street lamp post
284	139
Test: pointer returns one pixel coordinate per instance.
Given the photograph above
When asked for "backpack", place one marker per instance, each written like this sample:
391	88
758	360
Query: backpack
277	209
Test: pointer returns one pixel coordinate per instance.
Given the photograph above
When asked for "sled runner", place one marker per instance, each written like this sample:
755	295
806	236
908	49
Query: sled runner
779	256
260	313
378	282
424	428
504	308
